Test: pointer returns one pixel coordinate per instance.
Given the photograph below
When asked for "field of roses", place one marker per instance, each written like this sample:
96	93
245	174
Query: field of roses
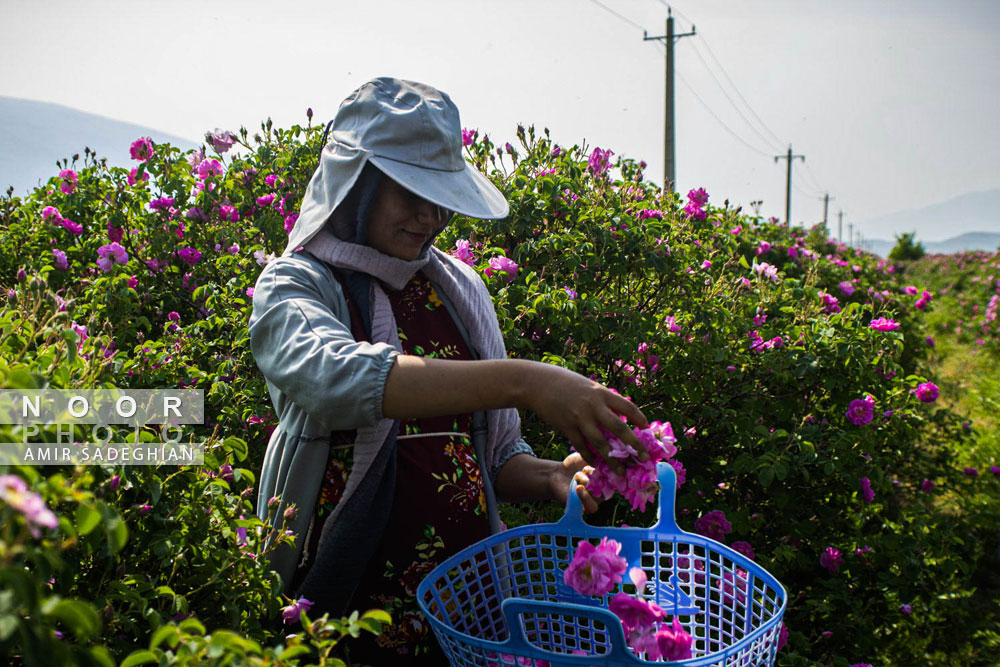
801	380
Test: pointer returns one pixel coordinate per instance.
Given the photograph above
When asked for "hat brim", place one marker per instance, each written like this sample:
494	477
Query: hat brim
467	192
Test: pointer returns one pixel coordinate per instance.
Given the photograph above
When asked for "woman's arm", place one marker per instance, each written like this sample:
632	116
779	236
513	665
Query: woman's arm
575	405
525	478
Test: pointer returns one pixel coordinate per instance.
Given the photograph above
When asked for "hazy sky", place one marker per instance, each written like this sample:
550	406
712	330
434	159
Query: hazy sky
894	103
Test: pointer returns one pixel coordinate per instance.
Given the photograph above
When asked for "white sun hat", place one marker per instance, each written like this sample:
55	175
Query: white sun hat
412	133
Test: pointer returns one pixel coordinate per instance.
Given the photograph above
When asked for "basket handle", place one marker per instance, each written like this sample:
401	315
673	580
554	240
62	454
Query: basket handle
518	643
666	521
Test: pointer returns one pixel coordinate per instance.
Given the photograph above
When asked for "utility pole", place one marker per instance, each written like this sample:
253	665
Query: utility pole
850	234
840	226
669	167
788	182
826	204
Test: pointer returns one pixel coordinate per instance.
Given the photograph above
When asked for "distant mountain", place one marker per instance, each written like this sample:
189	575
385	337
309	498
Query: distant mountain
33	135
970	241
972	212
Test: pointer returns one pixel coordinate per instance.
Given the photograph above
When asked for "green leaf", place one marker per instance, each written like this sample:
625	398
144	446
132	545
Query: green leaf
379	615
87	518
101	656
8	624
192	625
766	476
168	633
237	446
6	601
294	651
79	616
142	657
370	625
117	533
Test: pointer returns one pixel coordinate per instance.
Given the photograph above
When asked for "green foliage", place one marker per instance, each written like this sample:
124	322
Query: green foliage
907	248
750	337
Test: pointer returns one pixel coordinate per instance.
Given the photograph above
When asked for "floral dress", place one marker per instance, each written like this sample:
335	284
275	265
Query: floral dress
440	503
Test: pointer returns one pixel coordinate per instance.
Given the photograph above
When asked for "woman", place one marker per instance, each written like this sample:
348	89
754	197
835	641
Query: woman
383	357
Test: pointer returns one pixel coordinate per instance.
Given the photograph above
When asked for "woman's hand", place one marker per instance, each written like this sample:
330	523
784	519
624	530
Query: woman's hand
525	478
573	469
578	407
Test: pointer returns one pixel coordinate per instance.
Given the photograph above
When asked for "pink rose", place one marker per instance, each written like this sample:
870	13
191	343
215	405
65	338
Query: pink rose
674	642
713	525
595	569
141	149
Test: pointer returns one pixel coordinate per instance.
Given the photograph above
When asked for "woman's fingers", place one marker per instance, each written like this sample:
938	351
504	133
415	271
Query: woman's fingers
622	406
581	408
582	478
630	410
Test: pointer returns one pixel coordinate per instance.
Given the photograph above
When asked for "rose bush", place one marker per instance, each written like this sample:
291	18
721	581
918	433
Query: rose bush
753	339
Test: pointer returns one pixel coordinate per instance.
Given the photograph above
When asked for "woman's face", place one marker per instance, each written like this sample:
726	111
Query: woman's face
400	222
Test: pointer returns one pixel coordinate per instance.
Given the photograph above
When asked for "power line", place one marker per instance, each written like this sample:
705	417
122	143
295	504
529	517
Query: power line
815	180
730	80
623	18
731	101
803	192
721	122
812	184
818	191
690	88
811	176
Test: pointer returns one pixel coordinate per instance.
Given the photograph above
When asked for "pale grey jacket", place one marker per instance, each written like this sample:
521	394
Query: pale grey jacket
320	380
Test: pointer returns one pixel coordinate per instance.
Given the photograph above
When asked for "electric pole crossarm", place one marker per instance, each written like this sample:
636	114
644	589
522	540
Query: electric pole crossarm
647	38
788	182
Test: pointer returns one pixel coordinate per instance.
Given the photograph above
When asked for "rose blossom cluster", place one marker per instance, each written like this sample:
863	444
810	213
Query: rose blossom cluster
111	254
220	140
502	265
695	207
638	484
600	161
884	324
860	411
596	569
141	149
463	253
926	392
15	494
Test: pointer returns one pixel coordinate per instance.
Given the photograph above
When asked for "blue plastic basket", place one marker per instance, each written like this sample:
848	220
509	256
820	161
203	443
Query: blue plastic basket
503	601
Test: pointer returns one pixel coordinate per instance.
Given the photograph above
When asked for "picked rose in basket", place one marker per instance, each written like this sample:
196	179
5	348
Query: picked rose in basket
595	570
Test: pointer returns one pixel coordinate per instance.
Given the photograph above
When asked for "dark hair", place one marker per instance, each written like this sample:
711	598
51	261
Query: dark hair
354	210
